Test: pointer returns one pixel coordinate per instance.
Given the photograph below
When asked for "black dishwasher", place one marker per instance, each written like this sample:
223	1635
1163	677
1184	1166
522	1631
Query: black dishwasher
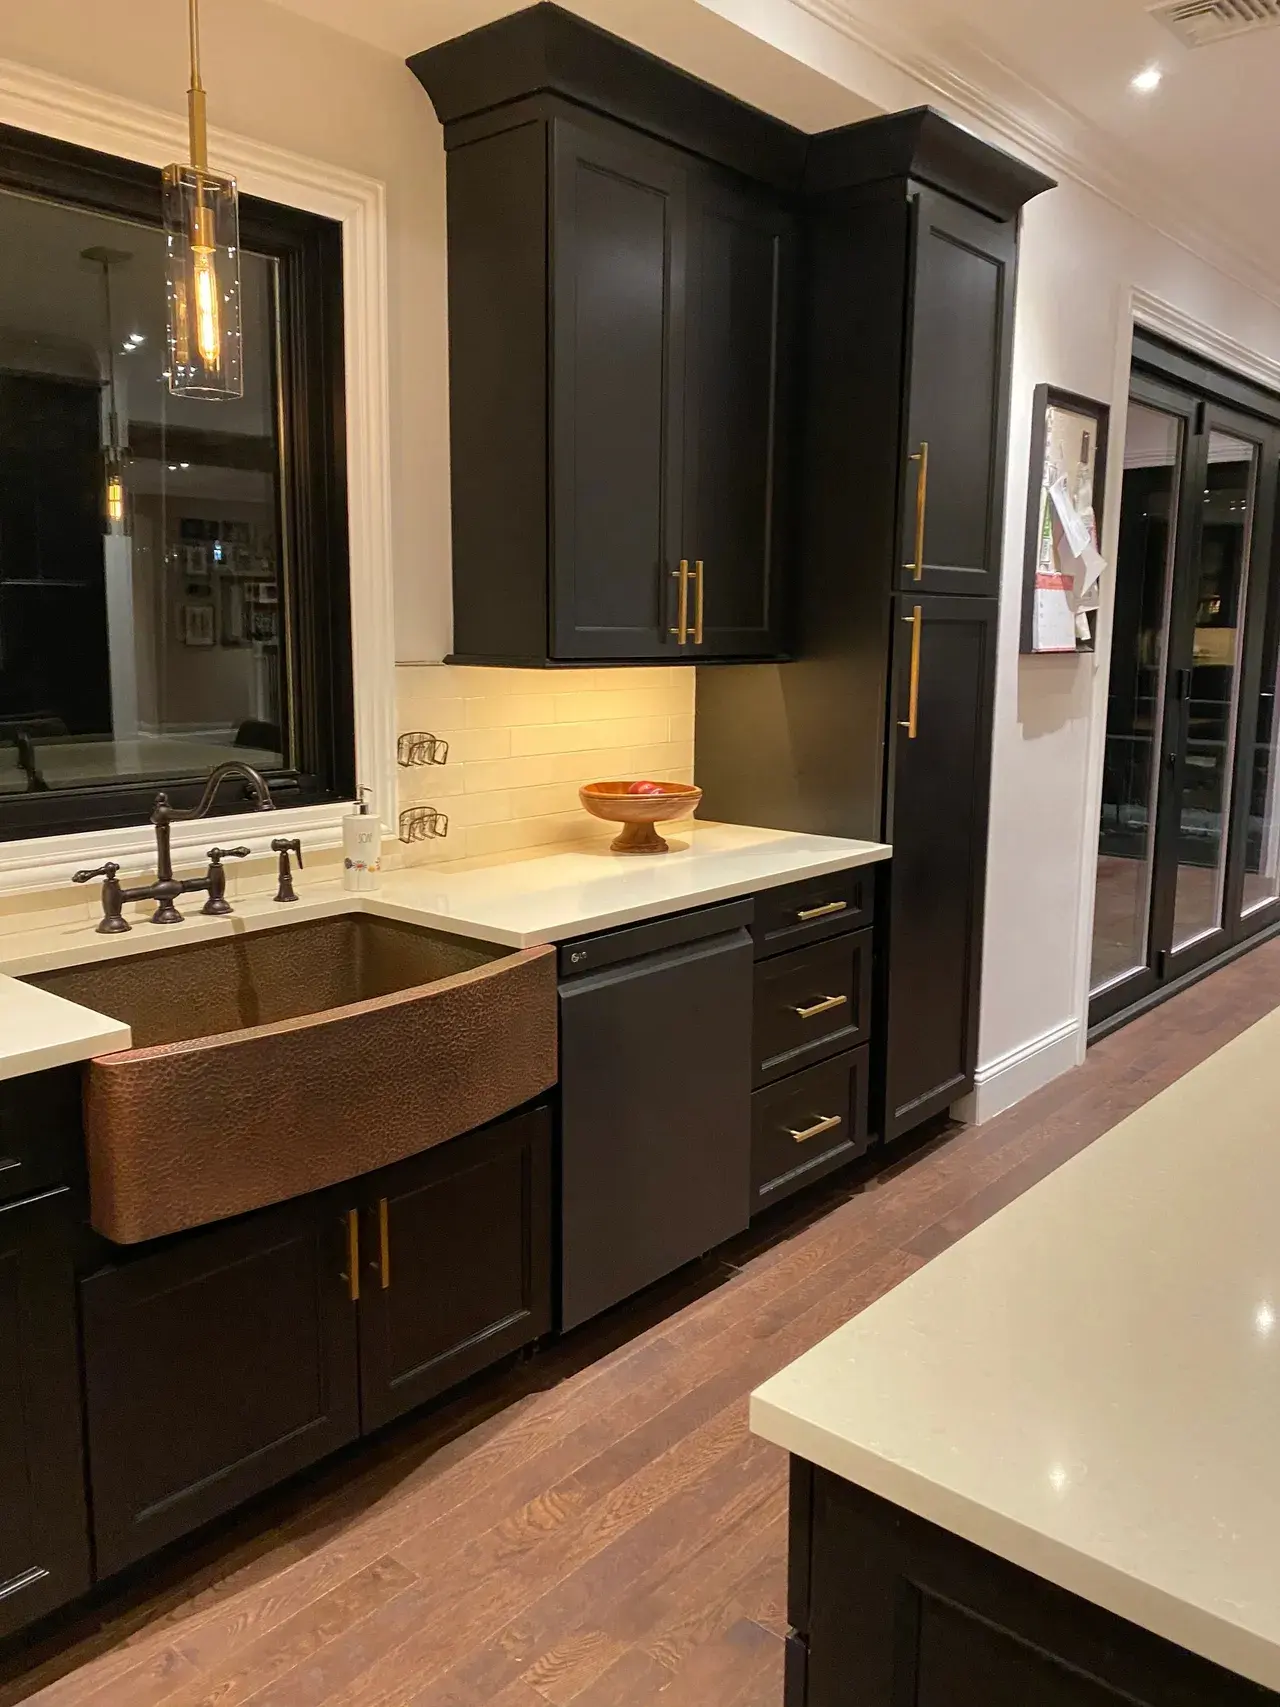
655	1077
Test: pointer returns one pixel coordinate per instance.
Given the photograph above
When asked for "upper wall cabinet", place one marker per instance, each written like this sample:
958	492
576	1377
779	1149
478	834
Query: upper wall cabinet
621	298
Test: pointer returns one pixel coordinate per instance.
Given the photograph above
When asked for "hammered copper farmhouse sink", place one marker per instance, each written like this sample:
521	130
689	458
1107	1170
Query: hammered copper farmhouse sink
277	1062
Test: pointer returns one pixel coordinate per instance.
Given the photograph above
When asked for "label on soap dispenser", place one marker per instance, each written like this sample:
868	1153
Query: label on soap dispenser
361	851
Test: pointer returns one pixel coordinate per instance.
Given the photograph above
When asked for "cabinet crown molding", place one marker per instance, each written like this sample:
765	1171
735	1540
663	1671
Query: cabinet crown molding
921	143
545	50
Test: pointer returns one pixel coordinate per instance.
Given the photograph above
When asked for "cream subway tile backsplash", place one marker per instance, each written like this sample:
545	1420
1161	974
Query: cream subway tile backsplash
522	741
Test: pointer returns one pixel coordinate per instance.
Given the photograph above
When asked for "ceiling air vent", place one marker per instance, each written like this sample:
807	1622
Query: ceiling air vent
1201	22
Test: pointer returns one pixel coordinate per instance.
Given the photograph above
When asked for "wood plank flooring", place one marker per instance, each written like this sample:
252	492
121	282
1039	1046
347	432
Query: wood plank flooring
595	1527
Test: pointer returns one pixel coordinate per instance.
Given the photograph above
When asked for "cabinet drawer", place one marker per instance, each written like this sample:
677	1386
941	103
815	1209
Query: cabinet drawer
40	1132
810	1004
807	1125
812	911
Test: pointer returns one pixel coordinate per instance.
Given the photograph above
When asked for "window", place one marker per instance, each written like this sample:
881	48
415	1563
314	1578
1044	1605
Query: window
173	572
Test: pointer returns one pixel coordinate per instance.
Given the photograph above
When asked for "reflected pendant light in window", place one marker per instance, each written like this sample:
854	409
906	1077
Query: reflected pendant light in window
202	221
115	511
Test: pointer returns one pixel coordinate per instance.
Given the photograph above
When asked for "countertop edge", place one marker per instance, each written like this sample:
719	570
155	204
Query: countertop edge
1228	1645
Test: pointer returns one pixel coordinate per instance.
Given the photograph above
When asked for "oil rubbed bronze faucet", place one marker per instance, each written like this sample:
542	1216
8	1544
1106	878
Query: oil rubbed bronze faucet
166	888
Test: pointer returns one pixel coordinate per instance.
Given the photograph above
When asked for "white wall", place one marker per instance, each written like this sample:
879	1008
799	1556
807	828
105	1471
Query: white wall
285	81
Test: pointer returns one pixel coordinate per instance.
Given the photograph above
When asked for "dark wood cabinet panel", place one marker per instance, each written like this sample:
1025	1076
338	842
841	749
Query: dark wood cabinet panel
231	1355
457	1263
41	1138
937	822
807	1126
811	1003
737	428
799	914
618	271
889	1608
960	349
44	1544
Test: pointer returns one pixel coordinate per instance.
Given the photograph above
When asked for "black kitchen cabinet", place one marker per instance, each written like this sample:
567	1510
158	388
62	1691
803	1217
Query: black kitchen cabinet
960	283
216	1365
457	1263
621	311
44	1545
910	228
939	785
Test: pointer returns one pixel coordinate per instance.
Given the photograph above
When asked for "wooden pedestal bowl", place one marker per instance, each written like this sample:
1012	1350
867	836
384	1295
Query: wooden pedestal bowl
639	812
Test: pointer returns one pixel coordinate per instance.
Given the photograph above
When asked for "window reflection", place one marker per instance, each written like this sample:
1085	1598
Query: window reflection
141	593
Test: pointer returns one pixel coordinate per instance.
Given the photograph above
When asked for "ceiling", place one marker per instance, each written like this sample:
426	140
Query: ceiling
1195	157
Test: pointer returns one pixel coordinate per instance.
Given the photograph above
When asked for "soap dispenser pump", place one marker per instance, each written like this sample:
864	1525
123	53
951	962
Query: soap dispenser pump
361	845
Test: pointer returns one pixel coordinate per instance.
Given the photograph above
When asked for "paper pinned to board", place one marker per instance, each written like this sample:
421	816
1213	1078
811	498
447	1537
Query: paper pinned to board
1074	527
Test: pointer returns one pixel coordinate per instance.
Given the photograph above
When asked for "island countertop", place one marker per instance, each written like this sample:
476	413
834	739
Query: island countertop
1088	1385
519	902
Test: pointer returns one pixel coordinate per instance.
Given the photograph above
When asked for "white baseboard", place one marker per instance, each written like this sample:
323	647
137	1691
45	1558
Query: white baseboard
1019	1072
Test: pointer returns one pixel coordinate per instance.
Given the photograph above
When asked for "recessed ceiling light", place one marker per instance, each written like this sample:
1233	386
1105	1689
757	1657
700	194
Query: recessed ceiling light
1148	81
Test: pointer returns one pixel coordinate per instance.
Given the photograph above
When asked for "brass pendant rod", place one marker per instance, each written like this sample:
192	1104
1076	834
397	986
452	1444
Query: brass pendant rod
195	95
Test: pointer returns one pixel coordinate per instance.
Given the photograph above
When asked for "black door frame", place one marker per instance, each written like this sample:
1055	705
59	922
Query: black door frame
1204	398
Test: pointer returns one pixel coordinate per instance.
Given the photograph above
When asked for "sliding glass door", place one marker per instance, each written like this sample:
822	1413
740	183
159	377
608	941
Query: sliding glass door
1189	834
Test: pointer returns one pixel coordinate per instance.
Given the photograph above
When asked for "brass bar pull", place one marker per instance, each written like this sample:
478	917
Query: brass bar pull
911	722
384	1245
827	1123
699	570
825	1006
922	503
352	1275
681	630
822	912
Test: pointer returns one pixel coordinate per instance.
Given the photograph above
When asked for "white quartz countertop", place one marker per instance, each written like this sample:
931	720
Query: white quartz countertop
520	902
1089	1384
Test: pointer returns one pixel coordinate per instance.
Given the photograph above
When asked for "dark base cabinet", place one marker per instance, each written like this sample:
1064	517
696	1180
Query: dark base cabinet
888	1609
458	1271
215	1367
218	1364
44	1546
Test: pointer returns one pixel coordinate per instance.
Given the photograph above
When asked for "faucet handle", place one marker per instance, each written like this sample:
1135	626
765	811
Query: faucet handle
108	871
217	855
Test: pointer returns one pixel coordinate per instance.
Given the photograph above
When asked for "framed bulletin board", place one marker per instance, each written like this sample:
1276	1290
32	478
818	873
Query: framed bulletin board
1062	573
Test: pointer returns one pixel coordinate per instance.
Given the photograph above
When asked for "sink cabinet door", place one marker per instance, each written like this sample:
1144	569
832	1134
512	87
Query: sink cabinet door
216	1364
44	1545
456	1266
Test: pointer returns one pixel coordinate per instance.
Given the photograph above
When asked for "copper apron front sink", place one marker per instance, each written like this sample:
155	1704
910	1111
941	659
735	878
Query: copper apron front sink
277	1062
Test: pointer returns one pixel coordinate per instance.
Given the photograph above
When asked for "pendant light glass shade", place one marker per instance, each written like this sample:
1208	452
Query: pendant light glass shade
202	222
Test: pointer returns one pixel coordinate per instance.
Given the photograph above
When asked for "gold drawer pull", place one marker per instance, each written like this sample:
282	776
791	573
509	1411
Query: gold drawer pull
823	1007
821	912
384	1244
828	1123
352	1276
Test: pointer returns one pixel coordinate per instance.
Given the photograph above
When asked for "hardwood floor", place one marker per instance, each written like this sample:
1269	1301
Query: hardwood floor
596	1526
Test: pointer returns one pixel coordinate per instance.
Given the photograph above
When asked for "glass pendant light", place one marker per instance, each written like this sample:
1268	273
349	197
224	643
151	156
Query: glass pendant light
202	220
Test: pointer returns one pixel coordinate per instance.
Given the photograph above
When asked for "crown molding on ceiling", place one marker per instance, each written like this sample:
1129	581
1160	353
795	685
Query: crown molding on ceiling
1134	192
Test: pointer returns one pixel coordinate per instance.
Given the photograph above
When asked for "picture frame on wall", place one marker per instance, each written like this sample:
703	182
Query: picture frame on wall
198	626
1063	569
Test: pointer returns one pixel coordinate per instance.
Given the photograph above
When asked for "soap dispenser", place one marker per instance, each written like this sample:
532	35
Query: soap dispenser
361	845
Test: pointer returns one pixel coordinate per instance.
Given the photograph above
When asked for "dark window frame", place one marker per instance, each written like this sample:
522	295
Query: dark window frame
317	651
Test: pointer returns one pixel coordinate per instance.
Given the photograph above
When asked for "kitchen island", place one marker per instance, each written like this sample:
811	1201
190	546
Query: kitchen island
1044	1470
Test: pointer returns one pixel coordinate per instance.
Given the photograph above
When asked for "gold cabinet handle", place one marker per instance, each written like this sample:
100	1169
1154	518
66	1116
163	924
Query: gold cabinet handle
384	1245
922	503
681	630
699	570
825	1006
352	1275
911	722
822	912
826	1123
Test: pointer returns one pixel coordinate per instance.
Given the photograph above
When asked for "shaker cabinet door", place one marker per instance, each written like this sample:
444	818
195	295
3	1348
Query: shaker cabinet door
738	443
44	1545
619	239
457	1263
229	1357
960	344
940	776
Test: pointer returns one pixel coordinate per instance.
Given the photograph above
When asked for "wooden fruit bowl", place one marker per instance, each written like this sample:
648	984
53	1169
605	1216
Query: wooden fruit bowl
638	813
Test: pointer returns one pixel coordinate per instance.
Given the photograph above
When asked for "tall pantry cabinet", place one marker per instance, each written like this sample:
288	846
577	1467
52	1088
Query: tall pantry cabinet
882	726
